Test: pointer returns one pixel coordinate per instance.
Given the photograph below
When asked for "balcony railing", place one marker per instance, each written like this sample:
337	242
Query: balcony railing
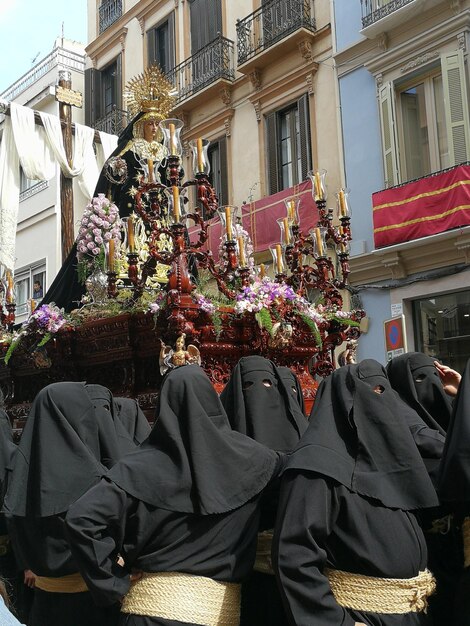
375	10
211	63
270	23
59	58
110	11
113	122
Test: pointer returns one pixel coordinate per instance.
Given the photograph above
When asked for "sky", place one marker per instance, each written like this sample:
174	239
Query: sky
28	29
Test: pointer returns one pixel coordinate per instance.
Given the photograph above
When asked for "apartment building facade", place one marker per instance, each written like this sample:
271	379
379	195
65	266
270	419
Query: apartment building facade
38	241
256	78
403	80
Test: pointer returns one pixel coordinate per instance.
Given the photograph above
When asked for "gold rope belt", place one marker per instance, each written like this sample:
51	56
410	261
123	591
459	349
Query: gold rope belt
381	595
184	598
263	561
73	583
466	541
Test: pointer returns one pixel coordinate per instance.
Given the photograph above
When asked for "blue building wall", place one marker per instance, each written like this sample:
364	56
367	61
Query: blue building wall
376	303
347	22
362	151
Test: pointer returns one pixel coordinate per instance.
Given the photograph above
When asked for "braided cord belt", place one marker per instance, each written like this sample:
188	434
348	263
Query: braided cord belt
184	598
382	595
466	541
73	583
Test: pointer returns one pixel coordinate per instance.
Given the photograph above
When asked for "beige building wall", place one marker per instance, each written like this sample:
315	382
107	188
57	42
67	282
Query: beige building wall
299	63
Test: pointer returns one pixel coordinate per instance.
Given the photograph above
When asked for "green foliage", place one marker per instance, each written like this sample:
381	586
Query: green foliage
11	348
313	328
264	320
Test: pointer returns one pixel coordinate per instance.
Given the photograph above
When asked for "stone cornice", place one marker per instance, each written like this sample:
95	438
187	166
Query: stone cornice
401	260
429	39
113	40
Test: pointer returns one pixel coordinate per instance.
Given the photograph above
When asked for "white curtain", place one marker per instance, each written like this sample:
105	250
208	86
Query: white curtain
38	150
9	195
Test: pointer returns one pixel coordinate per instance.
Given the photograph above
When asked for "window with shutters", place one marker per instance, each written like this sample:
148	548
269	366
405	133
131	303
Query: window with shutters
161	44
206	22
425	121
103	98
217	154
30	283
288	143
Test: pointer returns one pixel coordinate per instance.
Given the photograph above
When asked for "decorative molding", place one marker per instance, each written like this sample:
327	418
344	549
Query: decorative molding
382	42
122	39
420	60
257	107
142	25
310	76
184	117
455	5
228	126
306	50
462	41
394	263
379	81
462	244
309	81
226	95
255	79
93	62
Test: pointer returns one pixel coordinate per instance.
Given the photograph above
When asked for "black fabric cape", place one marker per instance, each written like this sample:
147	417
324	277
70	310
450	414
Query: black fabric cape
292	384
192	461
414	376
132	418
70	425
58	457
454	475
360	439
261	405
7	450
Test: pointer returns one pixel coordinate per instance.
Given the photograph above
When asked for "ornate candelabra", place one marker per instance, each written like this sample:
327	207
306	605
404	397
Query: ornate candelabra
301	260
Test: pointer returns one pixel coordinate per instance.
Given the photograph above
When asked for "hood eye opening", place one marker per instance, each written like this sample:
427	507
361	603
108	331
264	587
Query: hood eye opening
379	389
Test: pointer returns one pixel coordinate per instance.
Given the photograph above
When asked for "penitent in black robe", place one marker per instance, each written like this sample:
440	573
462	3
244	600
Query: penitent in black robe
263	402
184	501
348	496
68	440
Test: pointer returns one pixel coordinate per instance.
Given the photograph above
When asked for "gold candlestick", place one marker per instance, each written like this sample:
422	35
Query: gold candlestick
318	239
172	130
262	271
151	178
111	255
130	234
241	251
285	221
176	203
228	222
342	203
279	267
200	159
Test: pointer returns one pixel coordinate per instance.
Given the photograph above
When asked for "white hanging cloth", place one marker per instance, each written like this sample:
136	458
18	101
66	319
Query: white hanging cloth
9	195
107	146
53	130
36	157
84	137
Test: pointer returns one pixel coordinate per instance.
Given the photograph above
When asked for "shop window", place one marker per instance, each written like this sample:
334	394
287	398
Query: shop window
442	327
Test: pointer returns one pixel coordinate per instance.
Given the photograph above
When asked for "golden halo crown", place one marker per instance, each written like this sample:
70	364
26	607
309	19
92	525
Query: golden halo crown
150	92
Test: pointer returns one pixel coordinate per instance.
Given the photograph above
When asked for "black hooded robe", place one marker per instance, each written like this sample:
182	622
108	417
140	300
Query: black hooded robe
67	442
415	378
347	500
454	485
264	402
186	501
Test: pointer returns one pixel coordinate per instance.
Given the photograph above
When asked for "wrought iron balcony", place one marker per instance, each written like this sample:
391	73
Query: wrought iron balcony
270	23
110	11
113	122
374	10
213	62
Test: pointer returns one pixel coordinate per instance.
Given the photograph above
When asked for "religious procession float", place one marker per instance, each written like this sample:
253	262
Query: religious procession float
168	277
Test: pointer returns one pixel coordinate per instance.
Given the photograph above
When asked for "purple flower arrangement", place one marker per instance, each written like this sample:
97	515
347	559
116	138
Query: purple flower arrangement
100	223
46	320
